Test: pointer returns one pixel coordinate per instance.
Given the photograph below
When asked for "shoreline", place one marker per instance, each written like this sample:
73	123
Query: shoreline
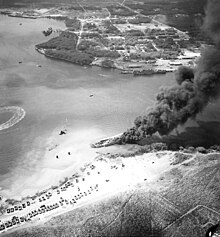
161	65
142	72
97	181
59	156
103	176
93	184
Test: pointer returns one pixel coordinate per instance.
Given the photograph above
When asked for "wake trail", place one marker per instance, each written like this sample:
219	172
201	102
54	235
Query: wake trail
18	115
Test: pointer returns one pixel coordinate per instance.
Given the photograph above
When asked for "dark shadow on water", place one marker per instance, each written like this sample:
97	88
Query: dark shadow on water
14	80
15	103
206	135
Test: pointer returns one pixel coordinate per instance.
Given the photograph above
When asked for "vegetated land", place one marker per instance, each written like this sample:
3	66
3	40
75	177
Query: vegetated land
185	15
139	38
182	202
64	47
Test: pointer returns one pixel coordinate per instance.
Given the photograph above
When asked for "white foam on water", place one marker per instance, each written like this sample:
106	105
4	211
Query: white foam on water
18	115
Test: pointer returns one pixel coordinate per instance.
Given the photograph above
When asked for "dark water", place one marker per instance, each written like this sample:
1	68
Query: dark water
60	91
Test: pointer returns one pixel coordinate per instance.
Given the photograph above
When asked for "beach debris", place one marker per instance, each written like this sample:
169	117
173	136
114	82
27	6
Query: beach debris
20	62
57	156
91	95
20	24
68	153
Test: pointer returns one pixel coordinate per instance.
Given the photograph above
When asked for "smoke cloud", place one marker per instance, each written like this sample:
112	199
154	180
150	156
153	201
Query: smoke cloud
194	90
212	21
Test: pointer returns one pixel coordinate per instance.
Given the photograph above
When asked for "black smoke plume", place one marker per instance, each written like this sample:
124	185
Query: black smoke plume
194	90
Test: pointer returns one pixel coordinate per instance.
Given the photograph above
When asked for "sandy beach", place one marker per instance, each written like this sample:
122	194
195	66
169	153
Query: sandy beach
97	180
71	174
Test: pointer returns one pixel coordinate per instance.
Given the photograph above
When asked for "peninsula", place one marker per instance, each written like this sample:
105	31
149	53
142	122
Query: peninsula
116	36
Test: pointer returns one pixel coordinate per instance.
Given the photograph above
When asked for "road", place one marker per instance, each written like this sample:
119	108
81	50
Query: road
82	25
80	34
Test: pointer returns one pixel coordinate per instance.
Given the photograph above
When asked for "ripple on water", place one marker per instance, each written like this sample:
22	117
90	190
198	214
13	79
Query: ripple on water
18	115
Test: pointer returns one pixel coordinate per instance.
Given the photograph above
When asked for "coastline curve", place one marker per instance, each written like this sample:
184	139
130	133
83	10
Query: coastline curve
18	115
